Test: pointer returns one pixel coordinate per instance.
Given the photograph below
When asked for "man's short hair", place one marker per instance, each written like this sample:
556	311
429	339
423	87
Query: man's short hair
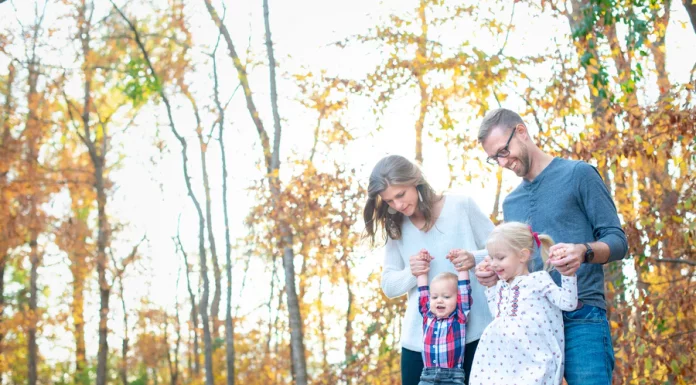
500	117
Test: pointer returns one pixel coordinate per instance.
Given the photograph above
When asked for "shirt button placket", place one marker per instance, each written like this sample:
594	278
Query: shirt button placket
532	202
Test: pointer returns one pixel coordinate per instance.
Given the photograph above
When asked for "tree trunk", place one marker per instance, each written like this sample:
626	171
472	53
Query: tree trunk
124	345
244	81
295	318
215	305
97	151
276	332
194	310
420	123
600	93
623	62
326	375
33	134
203	305
229	325
33	310
303	272
8	112
72	240
275	160
97	148
348	349
316	136
244	279
5	153
498	190
172	362
207	341
175	375
102	266
658	48
78	268
217	274
588	43
272	160
270	306
3	263
691	10
421	57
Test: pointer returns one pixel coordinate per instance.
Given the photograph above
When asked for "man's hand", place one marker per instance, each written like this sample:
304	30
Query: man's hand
567	257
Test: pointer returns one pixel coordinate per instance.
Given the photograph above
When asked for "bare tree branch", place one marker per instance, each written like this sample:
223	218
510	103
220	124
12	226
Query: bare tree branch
675	260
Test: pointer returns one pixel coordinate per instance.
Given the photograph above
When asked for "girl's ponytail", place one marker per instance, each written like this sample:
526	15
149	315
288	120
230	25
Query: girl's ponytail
520	236
546	243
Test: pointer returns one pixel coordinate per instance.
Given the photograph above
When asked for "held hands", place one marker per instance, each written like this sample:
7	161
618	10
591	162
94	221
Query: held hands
461	259
485	274
420	263
567	257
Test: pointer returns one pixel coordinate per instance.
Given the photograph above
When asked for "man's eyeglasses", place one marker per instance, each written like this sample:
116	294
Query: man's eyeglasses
504	152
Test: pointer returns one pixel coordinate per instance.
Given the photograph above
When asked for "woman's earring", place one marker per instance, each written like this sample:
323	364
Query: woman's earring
391	210
420	197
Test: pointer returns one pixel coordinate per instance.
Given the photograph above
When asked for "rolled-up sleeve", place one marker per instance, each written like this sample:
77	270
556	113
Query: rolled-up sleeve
601	211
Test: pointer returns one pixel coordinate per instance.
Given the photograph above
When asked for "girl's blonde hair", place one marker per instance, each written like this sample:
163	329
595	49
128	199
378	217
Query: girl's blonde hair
519	236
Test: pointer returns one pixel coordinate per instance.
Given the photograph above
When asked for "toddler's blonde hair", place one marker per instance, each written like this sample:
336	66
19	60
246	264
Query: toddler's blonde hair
446	276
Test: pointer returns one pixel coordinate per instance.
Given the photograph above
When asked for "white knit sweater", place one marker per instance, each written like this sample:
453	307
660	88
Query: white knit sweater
461	225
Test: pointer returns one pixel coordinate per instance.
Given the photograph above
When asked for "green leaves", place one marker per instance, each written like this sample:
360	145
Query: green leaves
139	83
598	24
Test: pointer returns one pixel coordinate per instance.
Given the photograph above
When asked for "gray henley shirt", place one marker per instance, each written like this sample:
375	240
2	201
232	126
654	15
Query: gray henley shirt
569	201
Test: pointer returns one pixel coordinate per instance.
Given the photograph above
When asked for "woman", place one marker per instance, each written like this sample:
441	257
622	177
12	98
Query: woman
410	216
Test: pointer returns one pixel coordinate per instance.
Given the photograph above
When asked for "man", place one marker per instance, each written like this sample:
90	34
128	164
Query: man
567	200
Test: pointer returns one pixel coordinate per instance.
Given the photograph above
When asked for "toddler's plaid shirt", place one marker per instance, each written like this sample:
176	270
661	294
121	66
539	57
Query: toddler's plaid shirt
444	339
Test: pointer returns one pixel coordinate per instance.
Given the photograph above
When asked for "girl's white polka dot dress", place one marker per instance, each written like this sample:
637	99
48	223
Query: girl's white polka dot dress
524	343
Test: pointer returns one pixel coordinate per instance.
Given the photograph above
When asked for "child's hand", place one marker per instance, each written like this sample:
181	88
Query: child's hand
566	258
556	253
555	256
485	274
461	259
420	263
484	265
424	255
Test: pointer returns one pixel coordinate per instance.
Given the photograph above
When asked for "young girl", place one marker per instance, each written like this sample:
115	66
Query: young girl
524	344
444	306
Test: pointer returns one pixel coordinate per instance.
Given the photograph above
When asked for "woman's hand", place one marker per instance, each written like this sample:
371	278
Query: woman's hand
420	263
461	259
485	275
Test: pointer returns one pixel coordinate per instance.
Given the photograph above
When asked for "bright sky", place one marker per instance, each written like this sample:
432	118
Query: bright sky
150	197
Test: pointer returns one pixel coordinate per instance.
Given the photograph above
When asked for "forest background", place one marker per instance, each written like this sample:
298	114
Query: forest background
181	181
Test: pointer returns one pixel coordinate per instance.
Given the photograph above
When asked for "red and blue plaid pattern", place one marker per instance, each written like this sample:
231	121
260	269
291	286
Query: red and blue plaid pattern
444	339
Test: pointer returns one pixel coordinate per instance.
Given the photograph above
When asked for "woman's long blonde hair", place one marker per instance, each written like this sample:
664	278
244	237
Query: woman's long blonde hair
395	170
519	236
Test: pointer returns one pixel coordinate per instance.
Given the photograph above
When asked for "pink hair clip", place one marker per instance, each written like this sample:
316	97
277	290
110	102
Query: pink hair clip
535	236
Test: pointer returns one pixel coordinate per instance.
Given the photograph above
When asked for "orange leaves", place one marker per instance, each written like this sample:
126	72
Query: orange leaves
645	151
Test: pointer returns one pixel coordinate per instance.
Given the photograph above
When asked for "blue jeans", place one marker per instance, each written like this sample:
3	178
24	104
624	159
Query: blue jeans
412	364
589	355
442	376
